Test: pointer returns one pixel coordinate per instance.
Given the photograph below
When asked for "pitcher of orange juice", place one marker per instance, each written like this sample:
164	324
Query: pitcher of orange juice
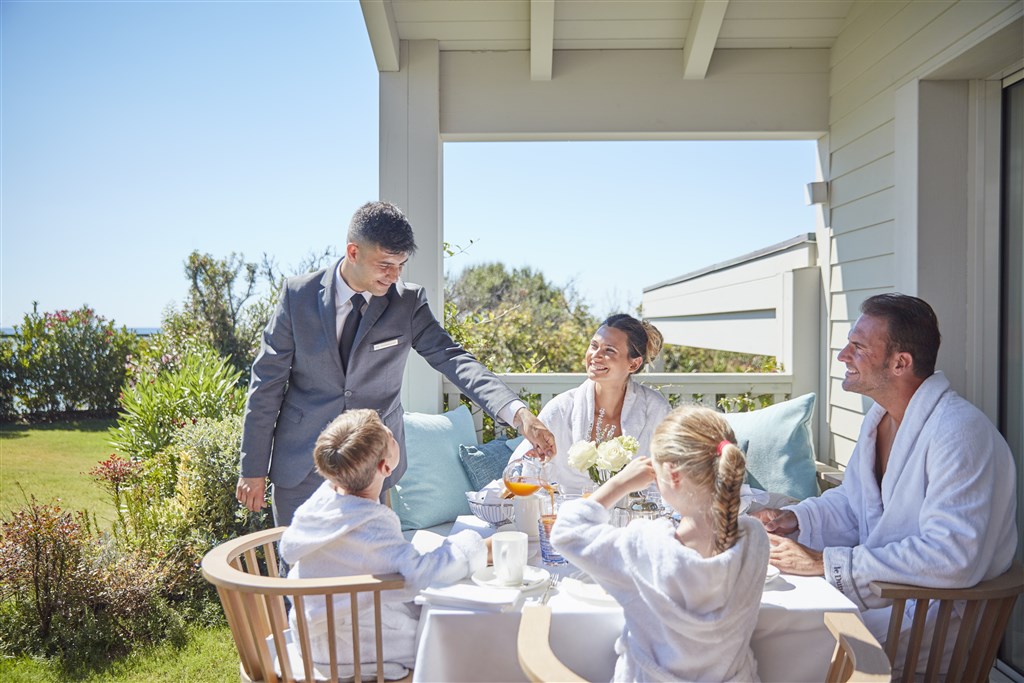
525	477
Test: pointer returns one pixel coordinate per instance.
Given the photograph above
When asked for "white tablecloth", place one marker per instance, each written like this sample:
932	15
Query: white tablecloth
790	642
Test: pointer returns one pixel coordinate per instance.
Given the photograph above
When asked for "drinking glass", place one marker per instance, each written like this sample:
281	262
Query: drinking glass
548	514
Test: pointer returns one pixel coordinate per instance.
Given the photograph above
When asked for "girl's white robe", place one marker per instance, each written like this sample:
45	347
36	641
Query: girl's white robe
570	417
688	618
944	516
340	535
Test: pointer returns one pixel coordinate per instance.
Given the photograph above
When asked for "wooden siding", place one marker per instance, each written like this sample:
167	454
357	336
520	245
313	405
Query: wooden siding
881	46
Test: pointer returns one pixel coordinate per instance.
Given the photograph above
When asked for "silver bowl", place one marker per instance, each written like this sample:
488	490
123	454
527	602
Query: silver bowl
495	514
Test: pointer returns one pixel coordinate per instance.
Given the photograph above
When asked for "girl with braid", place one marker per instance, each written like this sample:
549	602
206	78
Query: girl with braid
690	592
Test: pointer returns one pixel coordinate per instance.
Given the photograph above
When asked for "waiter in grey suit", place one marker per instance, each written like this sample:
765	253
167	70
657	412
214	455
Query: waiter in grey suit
339	340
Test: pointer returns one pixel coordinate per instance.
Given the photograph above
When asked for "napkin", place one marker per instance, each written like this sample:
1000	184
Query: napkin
749	496
472	596
489	495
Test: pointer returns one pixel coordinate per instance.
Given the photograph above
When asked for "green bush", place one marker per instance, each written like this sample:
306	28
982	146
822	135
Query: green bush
178	504
199	384
65	594
8	402
69	360
203	511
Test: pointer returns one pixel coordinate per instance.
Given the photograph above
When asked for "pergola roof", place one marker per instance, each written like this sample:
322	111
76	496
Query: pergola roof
697	28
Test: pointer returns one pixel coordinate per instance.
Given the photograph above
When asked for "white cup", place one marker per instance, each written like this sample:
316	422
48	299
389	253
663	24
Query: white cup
525	513
509	549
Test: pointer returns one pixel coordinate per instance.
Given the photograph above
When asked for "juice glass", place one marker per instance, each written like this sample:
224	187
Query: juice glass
548	514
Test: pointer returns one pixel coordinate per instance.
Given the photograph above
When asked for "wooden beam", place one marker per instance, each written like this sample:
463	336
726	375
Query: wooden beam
379	17
705	25
542	39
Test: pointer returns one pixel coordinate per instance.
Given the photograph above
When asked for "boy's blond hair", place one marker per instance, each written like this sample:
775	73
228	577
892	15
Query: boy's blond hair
348	450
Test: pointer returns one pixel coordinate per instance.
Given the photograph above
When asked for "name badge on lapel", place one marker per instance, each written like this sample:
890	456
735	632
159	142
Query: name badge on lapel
385	344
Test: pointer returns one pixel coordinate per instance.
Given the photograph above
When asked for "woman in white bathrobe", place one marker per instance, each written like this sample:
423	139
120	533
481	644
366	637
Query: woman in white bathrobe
609	397
690	593
343	530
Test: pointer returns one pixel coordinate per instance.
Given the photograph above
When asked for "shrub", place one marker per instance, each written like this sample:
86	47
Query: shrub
64	594
179	503
8	402
69	360
204	511
199	384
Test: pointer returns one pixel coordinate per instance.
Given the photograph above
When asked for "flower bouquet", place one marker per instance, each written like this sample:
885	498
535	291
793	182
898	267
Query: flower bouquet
601	460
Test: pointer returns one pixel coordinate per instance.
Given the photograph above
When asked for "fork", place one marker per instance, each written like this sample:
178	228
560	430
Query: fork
553	583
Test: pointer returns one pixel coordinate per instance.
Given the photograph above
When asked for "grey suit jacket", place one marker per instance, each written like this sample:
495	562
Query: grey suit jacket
298	385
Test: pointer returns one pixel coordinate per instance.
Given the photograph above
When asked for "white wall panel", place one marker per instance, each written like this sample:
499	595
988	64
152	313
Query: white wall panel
875	240
842	449
871	210
862	182
845	423
873	145
862	21
634	94
864	274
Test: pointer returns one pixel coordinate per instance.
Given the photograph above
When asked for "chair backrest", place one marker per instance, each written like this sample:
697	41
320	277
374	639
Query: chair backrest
245	572
858	656
533	648
983	620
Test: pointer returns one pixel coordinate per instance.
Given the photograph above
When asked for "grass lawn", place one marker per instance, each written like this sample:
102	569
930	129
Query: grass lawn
52	461
209	656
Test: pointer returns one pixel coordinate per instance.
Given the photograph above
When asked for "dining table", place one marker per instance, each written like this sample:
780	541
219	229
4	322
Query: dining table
457	644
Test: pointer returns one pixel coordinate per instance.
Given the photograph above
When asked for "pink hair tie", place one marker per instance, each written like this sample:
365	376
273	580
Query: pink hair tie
722	445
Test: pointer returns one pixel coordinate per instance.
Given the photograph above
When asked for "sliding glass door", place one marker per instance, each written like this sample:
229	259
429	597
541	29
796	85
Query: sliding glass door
1011	418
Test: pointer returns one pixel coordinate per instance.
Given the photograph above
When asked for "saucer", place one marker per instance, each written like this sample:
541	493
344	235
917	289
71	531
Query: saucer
773	571
532	577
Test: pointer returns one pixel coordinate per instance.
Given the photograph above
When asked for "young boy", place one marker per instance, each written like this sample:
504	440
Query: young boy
343	530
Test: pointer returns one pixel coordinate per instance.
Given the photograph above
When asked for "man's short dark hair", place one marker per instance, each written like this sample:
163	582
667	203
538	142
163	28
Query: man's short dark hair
382	224
913	328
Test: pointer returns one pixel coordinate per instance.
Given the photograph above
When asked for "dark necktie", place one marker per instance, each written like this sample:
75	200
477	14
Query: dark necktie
348	330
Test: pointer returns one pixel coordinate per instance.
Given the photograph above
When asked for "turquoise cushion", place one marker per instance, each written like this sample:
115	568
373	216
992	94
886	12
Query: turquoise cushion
484	462
433	489
777	441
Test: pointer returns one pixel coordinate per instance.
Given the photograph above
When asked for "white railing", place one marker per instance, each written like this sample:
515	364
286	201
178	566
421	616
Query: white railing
706	388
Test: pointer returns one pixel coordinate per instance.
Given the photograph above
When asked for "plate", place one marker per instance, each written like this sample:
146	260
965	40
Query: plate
587	592
532	577
772	573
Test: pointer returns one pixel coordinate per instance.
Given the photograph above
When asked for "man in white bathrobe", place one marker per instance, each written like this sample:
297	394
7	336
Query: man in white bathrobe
928	497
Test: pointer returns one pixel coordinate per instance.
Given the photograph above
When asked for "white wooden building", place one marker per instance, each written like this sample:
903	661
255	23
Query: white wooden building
913	103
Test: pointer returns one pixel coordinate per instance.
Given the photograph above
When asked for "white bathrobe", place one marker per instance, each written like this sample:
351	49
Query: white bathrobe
340	535
570	417
945	514
688	618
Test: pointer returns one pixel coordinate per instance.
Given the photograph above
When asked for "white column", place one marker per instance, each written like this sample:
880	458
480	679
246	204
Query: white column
411	178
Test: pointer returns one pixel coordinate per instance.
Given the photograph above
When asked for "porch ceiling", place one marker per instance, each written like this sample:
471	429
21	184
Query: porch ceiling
697	28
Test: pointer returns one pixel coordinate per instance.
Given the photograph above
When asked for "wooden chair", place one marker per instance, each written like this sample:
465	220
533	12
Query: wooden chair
858	656
984	618
253	603
533	647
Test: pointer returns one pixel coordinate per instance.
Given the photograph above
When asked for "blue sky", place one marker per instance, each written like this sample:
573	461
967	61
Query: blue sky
132	133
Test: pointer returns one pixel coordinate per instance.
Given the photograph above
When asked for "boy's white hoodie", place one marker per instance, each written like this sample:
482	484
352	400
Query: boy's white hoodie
341	535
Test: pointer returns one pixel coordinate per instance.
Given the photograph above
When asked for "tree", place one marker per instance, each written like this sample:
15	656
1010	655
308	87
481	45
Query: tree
218	292
518	321
224	309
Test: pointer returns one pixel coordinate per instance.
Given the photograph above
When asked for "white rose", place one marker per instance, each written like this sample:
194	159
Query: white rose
582	455
612	456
